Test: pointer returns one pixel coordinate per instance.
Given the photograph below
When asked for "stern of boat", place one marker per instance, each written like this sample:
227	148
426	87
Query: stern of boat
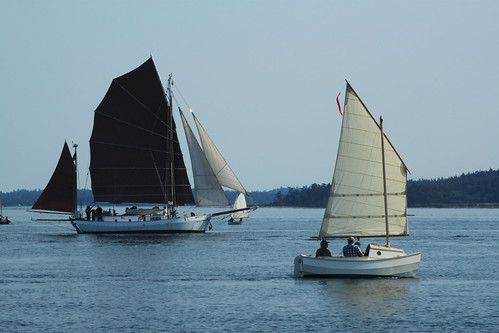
298	271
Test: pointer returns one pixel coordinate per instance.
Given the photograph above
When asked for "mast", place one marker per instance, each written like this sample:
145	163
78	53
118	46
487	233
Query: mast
172	153
385	199
75	193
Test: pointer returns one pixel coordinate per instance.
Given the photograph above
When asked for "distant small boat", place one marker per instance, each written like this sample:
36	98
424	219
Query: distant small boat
135	159
3	219
367	199
237	217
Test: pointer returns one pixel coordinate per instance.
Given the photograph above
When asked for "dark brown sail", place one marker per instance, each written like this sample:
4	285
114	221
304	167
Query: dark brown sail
131	144
60	193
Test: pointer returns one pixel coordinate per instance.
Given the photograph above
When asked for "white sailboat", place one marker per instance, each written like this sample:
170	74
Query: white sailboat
212	172
219	165
135	159
239	216
367	199
209	191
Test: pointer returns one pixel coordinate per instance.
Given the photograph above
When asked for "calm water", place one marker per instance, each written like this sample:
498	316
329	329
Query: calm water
238	278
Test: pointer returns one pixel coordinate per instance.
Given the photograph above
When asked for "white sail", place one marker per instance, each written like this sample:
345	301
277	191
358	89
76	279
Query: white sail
238	204
208	190
222	170
356	203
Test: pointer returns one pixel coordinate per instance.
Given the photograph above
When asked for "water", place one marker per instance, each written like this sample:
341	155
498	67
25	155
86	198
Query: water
238	278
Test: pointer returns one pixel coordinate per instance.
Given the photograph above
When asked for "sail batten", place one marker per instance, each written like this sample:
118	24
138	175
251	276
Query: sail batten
128	124
356	204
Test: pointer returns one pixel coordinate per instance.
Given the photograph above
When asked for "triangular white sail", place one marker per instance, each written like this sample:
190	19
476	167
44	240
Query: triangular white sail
222	170
238	204
208	190
356	203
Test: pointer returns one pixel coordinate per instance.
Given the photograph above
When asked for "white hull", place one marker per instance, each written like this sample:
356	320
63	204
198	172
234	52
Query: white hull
135	224
405	265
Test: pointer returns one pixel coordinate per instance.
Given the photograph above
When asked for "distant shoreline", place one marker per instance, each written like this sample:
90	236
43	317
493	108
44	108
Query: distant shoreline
470	205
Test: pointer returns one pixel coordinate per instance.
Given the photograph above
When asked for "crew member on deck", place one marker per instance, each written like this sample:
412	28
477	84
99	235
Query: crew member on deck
352	250
99	213
323	251
88	211
360	247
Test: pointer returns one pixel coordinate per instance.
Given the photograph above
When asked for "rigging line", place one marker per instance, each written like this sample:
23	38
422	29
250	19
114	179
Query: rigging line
180	93
159	179
137	148
86	183
138	101
132	147
130	124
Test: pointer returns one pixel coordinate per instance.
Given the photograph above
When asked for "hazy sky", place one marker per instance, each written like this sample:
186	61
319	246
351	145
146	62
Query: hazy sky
261	76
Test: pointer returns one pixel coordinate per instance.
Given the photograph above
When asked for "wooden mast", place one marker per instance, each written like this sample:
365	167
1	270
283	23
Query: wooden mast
75	193
384	181
172	153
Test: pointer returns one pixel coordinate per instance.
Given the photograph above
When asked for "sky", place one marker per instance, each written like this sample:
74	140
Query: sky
261	76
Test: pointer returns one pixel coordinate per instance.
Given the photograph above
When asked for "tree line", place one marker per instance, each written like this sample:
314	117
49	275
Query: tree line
26	198
477	189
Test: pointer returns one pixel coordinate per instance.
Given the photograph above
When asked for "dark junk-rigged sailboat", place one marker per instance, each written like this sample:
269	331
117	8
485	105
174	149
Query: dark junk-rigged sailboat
367	199
135	159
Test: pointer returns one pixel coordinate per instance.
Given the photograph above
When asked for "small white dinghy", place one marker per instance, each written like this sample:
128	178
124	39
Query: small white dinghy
367	199
239	216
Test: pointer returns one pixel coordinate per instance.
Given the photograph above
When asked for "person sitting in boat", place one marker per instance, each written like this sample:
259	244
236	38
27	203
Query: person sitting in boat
99	213
352	250
88	211
360	247
323	251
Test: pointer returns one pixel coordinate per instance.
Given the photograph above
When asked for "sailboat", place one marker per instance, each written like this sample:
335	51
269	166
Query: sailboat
238	216
3	219
367	199
135	159
60	194
212	172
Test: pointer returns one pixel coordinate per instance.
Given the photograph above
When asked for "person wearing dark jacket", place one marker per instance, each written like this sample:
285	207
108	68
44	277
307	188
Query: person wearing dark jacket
323	251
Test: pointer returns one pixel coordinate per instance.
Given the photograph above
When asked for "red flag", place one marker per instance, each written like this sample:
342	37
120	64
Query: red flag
338	102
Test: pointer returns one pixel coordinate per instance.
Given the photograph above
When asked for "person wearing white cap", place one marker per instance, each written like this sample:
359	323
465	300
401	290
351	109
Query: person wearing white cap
351	250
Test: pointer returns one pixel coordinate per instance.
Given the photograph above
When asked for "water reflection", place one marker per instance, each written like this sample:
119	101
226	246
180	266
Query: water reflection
374	297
